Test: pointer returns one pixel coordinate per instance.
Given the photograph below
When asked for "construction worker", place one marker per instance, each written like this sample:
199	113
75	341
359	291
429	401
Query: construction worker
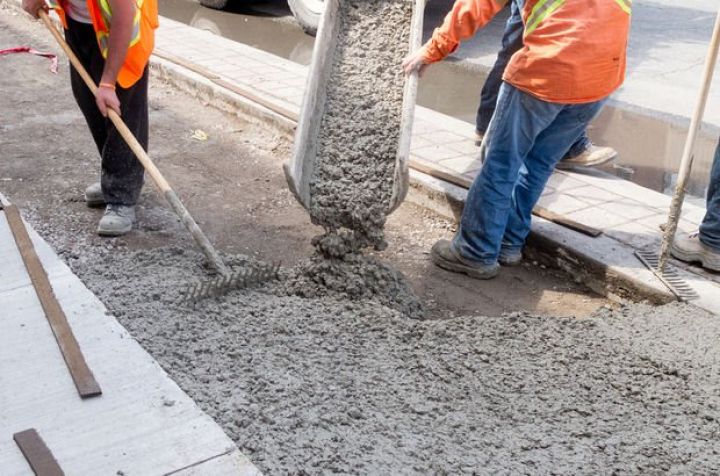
583	153
573	58
704	246
113	39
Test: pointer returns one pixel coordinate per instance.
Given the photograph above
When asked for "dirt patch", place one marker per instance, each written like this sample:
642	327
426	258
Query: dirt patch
360	130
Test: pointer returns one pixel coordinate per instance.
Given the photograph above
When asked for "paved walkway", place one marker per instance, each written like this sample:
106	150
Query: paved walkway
628	214
142	424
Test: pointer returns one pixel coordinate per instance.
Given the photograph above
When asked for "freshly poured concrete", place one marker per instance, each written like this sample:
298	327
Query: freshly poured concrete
359	136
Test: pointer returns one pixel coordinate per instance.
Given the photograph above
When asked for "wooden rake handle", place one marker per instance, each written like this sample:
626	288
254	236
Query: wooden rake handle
688	151
202	241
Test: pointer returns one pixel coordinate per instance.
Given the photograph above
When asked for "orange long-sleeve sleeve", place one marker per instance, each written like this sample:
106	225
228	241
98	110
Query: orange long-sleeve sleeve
465	18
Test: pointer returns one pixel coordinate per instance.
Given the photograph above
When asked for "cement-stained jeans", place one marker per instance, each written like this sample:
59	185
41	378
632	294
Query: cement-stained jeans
710	227
512	42
526	139
121	172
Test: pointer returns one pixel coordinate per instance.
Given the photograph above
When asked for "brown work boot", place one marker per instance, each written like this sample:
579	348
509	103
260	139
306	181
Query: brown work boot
444	255
690	249
591	157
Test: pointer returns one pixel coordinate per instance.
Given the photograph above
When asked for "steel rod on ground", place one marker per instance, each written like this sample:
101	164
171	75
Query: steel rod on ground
688	152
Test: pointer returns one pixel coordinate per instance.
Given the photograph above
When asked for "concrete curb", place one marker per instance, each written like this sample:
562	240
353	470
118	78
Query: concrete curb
582	257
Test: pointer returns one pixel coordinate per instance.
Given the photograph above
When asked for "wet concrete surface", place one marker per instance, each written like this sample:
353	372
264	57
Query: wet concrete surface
453	88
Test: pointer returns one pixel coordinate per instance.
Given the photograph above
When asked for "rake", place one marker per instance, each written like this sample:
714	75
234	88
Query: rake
658	264
254	275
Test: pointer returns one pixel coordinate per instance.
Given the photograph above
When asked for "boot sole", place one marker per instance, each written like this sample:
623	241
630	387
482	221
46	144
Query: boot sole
713	264
462	268
565	165
114	233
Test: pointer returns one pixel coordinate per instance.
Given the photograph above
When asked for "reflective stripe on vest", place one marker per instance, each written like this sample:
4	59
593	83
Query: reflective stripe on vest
626	5
106	12
545	8
541	11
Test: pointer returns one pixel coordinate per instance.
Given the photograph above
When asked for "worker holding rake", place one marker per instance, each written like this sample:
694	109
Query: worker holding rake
704	246
573	57
113	40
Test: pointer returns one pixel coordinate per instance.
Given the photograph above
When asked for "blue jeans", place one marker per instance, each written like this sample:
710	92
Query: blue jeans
512	42
710	227
527	137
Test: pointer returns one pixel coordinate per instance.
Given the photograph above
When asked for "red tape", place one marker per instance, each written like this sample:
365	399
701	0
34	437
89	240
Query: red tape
26	49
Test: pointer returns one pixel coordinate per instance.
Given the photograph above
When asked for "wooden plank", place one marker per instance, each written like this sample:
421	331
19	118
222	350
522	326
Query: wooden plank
566	222
437	171
37	453
83	377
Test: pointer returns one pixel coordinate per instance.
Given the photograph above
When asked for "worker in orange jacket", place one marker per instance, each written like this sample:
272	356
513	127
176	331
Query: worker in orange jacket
573	58
113	39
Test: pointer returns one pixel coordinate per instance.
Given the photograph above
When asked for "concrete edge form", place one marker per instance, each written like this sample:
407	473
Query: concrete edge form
582	257
142	424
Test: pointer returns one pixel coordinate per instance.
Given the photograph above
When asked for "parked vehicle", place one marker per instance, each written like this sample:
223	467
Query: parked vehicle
307	12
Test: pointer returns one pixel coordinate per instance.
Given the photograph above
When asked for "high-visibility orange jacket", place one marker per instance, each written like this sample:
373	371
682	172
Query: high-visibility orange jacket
575	50
143	38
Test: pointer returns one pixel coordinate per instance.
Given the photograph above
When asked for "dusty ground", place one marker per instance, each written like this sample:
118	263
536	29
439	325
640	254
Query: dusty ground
310	386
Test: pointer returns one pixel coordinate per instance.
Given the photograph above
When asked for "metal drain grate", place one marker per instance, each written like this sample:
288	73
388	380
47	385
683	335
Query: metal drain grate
670	277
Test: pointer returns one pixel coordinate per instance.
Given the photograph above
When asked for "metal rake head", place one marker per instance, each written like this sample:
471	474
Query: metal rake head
669	276
243	278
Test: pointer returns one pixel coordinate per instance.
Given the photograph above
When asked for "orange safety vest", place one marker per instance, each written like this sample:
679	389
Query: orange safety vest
574	50
143	38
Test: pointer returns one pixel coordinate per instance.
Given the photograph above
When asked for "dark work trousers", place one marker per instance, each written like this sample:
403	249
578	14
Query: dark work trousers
122	174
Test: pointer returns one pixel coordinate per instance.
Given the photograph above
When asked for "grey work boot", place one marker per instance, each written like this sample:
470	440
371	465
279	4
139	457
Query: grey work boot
444	255
117	220
94	196
690	249
510	258
592	157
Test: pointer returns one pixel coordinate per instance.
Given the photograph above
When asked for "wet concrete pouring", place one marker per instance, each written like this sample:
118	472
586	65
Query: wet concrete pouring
494	380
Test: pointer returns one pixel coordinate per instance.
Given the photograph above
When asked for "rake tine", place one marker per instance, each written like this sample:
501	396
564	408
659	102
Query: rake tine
243	278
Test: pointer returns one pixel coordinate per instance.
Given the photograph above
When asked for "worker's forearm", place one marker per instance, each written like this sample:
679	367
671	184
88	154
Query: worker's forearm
465	18
119	40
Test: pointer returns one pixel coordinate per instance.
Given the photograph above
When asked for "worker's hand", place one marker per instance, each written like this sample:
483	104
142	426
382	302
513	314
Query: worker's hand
34	6
107	99
415	62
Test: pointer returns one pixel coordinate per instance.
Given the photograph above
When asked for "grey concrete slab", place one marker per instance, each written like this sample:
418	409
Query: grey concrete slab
142	424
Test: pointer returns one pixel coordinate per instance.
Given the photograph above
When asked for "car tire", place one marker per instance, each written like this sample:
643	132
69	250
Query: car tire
214	4
307	13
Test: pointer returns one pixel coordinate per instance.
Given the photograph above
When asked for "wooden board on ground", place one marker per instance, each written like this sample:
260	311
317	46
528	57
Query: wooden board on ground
83	377
37	454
